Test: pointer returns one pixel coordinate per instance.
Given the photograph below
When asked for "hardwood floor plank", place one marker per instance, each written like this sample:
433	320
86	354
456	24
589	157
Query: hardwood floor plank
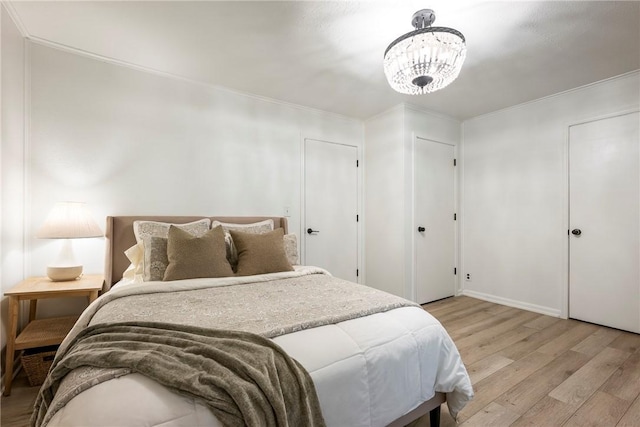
548	412
465	312
487	366
568	339
487	314
17	408
625	381
576	389
595	342
493	386
627	341
542	322
494	415
601	409
482	337
632	417
448	305
520	398
473	354
535	341
468	329
445	302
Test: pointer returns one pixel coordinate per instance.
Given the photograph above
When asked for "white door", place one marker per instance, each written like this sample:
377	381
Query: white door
434	225
604	219
331	207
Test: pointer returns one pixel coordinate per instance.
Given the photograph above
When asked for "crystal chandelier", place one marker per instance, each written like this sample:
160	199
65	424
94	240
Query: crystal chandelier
426	59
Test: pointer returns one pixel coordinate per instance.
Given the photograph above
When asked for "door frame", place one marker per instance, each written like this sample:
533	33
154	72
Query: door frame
360	225
412	292
564	291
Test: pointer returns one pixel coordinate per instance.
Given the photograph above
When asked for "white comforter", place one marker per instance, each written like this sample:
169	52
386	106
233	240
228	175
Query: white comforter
367	372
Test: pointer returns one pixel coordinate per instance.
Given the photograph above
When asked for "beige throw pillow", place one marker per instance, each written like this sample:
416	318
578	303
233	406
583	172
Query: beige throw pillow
158	260
260	253
193	257
291	248
254	227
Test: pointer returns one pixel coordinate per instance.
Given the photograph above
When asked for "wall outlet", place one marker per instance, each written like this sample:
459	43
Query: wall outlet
468	278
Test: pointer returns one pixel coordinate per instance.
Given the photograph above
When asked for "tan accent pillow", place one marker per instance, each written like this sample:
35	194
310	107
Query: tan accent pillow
193	257
260	253
254	227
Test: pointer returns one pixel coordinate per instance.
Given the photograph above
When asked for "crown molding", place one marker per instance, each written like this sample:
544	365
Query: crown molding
126	64
11	11
564	92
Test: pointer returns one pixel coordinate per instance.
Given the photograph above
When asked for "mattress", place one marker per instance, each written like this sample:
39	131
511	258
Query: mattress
367	371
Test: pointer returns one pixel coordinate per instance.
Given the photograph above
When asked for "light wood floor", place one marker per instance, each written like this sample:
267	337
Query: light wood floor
16	409
527	370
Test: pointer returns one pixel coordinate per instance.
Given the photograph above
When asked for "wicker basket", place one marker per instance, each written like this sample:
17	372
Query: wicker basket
36	363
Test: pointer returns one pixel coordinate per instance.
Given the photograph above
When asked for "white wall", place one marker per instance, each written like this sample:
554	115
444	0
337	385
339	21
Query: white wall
389	192
11	162
384	201
131	142
514	198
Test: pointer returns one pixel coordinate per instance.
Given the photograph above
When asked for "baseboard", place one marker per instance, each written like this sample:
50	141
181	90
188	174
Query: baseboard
513	303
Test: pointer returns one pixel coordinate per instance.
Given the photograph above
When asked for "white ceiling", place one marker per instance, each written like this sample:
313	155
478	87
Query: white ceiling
328	54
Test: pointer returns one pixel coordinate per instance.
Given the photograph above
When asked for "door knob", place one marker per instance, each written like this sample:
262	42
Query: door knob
421	229
311	231
576	232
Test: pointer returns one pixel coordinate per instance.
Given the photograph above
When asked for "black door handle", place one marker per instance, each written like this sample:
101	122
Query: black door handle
310	231
576	232
421	229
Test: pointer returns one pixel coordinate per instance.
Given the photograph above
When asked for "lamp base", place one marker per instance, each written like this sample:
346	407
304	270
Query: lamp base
63	274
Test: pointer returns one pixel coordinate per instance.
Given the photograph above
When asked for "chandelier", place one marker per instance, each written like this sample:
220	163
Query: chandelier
426	59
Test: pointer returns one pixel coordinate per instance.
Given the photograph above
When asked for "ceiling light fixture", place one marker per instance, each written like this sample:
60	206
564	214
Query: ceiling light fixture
426	59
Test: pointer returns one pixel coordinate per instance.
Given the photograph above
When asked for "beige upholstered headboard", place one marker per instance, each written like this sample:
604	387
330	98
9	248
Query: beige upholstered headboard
120	237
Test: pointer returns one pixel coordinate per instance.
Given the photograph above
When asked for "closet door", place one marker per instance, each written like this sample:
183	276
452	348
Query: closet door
604	219
434	225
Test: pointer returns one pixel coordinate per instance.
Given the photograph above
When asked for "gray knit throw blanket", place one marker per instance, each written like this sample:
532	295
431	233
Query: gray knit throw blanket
246	379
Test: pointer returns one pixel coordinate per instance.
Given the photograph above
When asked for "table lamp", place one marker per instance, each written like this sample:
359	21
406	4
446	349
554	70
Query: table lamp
67	220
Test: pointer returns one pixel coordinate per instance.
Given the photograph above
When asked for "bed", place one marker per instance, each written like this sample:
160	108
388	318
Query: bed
369	366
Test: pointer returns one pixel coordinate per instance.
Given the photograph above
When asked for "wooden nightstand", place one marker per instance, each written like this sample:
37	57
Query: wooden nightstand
42	332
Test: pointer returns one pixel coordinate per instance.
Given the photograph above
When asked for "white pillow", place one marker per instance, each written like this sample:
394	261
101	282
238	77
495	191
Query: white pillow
146	230
259	227
135	272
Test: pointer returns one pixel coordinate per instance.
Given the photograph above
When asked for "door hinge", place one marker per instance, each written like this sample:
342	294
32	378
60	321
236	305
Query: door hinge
455	217
357	272
357	163
455	271
357	218
455	162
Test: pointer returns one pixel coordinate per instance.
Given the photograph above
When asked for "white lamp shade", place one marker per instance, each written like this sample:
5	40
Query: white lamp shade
69	220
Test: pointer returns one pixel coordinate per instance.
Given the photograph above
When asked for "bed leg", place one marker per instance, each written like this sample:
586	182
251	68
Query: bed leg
434	417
